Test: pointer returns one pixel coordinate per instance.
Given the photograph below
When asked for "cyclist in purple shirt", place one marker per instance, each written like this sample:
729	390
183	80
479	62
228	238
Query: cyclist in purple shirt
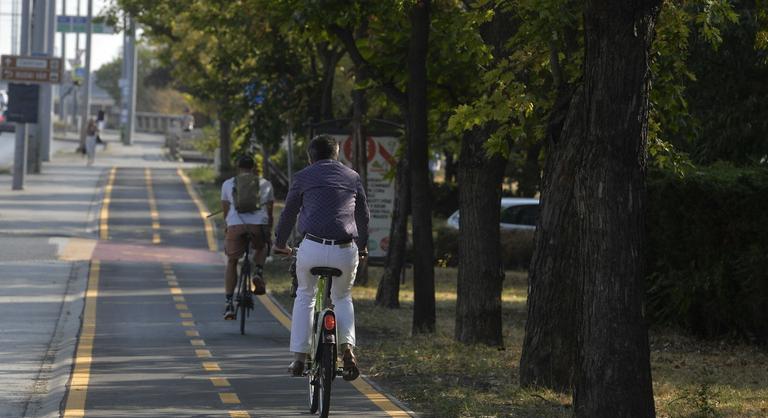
330	201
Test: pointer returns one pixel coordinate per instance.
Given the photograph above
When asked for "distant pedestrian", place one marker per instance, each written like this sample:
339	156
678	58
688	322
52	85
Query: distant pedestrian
101	123
90	140
187	121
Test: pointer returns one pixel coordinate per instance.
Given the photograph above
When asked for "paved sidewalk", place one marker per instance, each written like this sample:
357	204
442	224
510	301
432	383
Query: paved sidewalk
46	232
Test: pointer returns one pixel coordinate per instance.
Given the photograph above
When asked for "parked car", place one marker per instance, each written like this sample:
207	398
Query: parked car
6	126
518	224
516	214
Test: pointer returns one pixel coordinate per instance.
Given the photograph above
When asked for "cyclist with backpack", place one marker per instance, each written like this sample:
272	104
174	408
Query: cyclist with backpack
247	202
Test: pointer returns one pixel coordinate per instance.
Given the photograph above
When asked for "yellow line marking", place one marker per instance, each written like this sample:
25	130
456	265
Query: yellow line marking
229	398
185	315
211	366
182	306
175	291
220	382
192	333
104	215
378	398
203	353
170	276
198	343
173	283
188	323
239	414
78	388
179	299
201	208
153	213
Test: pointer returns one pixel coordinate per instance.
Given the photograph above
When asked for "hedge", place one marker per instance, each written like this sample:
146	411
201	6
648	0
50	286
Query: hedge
708	251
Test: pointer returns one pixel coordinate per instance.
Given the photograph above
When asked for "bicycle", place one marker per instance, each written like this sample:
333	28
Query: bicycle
321	367
243	294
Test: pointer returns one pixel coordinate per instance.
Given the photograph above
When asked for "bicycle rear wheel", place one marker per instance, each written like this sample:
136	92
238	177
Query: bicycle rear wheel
314	392
244	296
326	372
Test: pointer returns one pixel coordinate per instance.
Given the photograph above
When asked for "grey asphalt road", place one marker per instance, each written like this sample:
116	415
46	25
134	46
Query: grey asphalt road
159	346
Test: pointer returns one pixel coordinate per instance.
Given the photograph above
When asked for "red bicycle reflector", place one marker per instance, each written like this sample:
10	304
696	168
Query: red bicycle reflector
329	322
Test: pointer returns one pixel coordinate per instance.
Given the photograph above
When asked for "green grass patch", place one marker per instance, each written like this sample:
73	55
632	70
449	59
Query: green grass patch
438	377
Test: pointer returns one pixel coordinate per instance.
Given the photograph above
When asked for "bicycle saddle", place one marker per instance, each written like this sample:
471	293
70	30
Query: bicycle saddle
325	271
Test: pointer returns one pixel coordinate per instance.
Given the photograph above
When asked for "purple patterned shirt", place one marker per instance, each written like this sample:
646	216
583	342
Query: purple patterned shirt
330	200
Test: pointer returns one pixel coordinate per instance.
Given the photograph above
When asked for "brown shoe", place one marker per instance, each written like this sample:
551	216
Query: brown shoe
296	368
349	370
259	287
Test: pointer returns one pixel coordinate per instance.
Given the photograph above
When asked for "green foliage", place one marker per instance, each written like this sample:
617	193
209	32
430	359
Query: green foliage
708	251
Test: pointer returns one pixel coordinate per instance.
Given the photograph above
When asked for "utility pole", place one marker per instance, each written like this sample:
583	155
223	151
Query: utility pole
39	38
20	150
14	27
131	59
87	98
75	98
62	108
46	122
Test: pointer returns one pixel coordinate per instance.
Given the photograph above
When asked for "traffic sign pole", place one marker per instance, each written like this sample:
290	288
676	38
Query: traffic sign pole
20	150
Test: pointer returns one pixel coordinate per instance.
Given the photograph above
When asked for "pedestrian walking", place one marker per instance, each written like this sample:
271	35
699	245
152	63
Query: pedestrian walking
91	131
101	123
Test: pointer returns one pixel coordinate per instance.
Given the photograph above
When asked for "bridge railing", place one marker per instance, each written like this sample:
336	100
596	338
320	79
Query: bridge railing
157	122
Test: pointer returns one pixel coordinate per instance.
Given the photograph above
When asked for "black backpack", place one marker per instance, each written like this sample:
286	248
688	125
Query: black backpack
245	193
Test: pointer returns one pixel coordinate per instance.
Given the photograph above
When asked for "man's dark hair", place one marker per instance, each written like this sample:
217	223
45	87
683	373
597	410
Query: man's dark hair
245	162
323	147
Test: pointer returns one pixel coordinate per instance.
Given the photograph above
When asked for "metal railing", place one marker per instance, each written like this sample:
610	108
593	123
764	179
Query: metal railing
157	122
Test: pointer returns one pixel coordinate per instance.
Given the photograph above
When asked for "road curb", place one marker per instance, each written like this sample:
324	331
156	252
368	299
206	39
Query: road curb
58	362
367	379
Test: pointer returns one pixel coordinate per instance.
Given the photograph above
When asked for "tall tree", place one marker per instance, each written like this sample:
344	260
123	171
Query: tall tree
421	190
480	175
614	374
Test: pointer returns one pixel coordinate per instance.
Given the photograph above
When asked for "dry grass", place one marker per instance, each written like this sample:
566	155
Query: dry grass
438	377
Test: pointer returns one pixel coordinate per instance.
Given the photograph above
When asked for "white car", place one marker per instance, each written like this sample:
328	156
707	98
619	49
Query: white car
517	213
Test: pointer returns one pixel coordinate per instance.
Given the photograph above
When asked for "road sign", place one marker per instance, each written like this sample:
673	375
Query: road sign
22	103
25	69
79	24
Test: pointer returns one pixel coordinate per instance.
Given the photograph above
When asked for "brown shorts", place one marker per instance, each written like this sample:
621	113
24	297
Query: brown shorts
235	240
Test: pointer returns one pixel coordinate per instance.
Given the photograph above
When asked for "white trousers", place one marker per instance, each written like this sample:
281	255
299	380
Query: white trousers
314	254
90	148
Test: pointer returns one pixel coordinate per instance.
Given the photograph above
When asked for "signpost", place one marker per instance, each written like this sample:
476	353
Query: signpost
381	189
79	24
25	69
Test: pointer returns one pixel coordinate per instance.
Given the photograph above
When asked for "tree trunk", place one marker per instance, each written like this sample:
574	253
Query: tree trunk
451	170
388	292
421	200
550	345
225	147
614	378
481	273
530	178
331	58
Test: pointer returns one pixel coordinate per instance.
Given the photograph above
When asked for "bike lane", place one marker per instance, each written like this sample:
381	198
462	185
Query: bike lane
153	342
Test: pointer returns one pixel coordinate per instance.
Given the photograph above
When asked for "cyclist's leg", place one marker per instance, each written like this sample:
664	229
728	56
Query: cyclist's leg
346	260
311	254
258	244
234	248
